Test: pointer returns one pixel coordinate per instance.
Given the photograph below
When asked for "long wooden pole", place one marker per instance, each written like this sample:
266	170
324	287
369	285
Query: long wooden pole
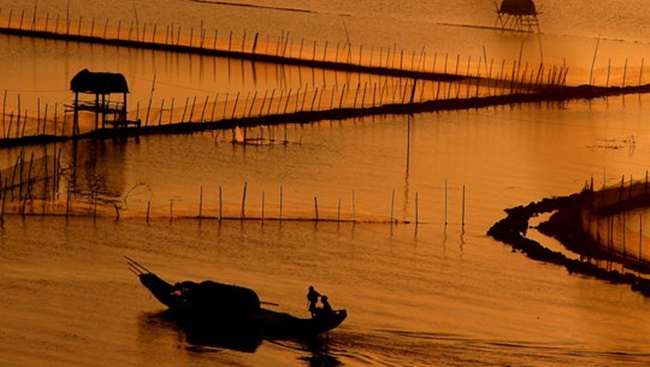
243	201
463	215
220	203
392	208
201	203
446	201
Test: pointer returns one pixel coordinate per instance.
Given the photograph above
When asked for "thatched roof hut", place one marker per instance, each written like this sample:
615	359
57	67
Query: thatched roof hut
518	7
98	83
100	86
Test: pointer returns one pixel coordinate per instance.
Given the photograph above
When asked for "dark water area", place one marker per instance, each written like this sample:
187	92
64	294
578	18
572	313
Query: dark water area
439	293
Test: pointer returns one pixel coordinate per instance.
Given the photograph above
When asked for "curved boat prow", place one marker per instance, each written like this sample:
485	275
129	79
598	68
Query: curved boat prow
333	320
163	291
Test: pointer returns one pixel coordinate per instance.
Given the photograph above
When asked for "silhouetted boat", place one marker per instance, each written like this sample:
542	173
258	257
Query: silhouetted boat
227	306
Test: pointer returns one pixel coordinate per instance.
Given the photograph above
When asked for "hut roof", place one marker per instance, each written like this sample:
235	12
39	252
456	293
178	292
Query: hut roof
518	7
98	83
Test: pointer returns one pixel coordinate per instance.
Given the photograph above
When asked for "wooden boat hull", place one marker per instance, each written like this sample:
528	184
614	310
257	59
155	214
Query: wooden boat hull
226	307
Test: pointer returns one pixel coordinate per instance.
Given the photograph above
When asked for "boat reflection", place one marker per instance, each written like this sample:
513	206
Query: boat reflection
197	334
208	337
320	355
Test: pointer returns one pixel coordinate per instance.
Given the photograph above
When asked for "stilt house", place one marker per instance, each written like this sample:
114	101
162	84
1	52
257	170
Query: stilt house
100	86
518	15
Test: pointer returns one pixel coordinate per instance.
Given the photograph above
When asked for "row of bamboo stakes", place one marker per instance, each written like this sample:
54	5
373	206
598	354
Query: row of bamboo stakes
23	180
60	186
516	78
610	214
282	47
52	121
316	213
480	80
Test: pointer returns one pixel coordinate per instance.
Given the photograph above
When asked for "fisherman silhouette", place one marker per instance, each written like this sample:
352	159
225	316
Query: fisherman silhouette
312	299
327	308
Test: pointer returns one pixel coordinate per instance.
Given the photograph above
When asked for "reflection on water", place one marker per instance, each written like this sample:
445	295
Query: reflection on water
433	297
197	337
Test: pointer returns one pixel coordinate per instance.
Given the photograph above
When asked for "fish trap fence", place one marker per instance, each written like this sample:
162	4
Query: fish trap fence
73	200
409	77
391	60
282	49
42	184
615	217
224	109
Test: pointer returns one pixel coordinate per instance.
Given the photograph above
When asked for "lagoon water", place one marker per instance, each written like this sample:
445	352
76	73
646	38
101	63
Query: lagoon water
425	295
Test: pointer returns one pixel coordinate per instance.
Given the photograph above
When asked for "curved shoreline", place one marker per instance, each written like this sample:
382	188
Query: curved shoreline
512	229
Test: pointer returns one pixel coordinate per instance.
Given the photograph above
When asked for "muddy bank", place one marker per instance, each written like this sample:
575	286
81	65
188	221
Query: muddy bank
565	225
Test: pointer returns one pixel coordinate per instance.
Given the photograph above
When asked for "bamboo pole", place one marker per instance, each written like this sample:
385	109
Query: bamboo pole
220	203
234	108
446	202
201	203
263	103
250	111
192	110
225	105
281	204
298	99
162	108
262	207
417	214
243	202
205	104
593	62
354	209
187	99
392	208
313	100
286	104
463	212
338	212
268	111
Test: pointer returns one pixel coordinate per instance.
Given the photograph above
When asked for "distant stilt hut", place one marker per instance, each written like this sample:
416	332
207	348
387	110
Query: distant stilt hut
101	86
518	15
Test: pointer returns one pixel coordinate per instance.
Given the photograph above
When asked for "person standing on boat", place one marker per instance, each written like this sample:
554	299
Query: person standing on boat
312	299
